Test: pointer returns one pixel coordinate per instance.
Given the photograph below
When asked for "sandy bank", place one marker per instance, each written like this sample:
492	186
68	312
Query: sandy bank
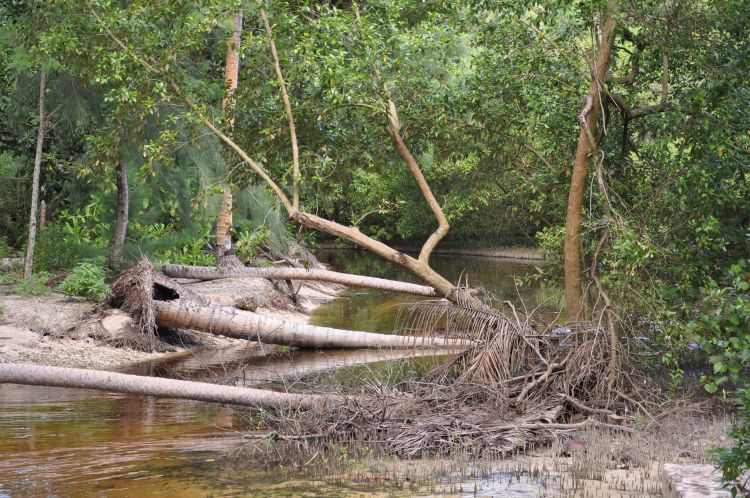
58	330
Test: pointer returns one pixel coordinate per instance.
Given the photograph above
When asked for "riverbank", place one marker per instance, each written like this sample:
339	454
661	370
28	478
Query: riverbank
58	330
503	252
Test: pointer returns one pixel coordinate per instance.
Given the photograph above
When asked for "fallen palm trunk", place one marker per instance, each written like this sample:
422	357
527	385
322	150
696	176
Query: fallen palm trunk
208	273
232	322
38	375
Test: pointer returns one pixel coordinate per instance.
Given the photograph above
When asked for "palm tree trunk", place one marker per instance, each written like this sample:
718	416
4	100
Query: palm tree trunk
38	375
208	273
232	322
28	264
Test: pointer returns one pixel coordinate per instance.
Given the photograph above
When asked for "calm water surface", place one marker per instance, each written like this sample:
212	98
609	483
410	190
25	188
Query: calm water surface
70	442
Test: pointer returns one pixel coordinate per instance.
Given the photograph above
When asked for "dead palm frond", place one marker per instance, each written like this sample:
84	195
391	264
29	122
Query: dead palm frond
503	344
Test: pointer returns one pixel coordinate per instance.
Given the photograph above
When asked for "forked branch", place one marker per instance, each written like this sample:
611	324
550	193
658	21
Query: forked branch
394	130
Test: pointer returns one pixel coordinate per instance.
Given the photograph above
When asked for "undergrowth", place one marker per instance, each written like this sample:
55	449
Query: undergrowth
87	280
36	286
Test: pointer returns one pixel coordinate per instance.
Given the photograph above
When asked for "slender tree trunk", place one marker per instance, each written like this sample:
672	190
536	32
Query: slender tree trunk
37	375
588	117
29	261
121	222
232	322
206	273
42	215
231	78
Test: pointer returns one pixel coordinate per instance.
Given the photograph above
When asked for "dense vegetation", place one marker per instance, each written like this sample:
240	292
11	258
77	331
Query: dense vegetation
489	98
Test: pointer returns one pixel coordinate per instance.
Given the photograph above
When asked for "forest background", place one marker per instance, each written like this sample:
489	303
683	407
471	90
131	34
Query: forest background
494	100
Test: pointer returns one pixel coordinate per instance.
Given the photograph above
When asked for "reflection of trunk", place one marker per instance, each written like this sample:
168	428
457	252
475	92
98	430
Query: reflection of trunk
588	118
207	273
247	325
249	366
231	78
29	262
36	375
121	222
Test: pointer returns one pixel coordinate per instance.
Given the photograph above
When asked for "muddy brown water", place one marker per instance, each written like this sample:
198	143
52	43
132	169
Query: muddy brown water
71	442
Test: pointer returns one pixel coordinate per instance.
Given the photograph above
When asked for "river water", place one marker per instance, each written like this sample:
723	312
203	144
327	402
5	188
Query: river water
69	442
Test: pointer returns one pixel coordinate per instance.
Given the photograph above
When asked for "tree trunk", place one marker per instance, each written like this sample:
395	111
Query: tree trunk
232	322
589	116
231	78
206	273
37	375
42	215
121	222
29	261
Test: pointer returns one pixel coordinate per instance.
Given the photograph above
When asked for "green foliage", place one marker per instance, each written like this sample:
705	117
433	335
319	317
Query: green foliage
35	287
723	328
5	248
14	180
248	243
735	461
87	280
188	250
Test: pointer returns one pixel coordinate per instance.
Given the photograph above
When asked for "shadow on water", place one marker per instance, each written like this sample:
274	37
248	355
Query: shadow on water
67	442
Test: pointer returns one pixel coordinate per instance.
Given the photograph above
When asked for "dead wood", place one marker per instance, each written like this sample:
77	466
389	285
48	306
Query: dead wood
39	375
207	273
155	300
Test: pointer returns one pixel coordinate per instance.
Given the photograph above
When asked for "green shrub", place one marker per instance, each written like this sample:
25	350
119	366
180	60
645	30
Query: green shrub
54	252
4	248
735	461
249	242
188	251
723	330
36	286
87	281
2	311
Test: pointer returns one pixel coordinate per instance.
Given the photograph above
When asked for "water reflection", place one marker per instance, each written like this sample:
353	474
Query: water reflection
68	442
375	311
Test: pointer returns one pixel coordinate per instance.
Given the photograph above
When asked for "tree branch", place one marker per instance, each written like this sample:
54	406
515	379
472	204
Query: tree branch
288	108
394	130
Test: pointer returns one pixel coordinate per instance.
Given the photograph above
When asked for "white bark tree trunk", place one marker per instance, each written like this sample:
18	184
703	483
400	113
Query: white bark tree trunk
232	322
38	375
28	264
207	273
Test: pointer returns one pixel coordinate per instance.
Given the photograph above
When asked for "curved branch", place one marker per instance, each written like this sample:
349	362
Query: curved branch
394	130
287	107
